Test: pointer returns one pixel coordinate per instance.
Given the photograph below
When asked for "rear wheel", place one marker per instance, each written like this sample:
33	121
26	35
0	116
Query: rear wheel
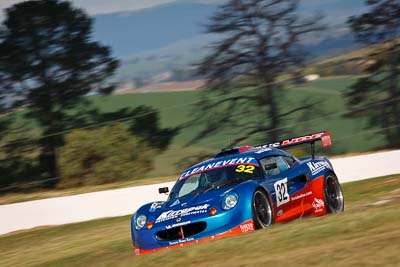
333	194
262	210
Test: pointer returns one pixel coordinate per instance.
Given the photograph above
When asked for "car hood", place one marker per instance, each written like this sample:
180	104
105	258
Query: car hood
187	207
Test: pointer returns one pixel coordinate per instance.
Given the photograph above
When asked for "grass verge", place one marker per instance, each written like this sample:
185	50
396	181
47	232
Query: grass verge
367	234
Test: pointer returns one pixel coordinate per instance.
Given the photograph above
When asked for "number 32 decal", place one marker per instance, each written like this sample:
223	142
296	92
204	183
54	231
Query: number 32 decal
245	168
282	195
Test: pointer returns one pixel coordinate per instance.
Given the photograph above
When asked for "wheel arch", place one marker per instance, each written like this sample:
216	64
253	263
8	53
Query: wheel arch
271	203
259	187
329	210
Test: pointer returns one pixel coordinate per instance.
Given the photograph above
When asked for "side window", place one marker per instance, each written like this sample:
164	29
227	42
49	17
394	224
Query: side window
282	164
274	165
291	161
190	184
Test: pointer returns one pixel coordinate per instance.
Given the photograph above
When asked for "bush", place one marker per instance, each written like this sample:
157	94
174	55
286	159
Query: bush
103	155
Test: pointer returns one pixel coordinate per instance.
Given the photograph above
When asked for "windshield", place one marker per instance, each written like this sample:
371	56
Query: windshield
215	178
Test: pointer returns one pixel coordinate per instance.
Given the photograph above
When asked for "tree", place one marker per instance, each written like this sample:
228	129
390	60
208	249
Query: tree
143	122
377	95
103	155
18	154
48	62
259	41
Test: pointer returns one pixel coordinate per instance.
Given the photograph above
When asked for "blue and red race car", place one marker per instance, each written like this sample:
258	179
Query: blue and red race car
237	191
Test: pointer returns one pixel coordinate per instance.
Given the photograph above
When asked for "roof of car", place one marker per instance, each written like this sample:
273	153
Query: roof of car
253	152
232	156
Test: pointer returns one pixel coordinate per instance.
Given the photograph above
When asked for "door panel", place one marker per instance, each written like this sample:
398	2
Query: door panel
288	188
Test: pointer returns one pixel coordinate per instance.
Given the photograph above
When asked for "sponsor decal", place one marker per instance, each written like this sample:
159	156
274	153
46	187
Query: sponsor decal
279	213
181	241
281	191
326	140
173	214
262	150
293	141
301	139
301	195
277	144
154	206
316	167
176	202
246	227
177	224
318	205
218	164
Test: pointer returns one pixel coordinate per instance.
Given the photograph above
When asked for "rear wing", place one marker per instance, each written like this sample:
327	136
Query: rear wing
324	137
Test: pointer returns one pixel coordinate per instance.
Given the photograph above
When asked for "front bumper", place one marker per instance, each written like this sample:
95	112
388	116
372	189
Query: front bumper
244	227
223	223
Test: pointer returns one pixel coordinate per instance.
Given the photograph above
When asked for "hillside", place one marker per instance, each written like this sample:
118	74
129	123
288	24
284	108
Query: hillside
153	28
136	32
176	109
172	36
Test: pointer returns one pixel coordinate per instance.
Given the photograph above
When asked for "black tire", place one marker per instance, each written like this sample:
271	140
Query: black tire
262	210
333	194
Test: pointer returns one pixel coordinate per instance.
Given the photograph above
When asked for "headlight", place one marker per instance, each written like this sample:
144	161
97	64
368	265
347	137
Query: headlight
140	222
230	201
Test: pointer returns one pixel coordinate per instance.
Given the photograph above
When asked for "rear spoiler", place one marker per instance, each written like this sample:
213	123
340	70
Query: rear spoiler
324	137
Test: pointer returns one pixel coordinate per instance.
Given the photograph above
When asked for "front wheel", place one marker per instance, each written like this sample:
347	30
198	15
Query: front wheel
333	194
262	210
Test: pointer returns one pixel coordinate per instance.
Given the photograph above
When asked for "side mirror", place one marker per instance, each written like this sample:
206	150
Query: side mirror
270	166
163	190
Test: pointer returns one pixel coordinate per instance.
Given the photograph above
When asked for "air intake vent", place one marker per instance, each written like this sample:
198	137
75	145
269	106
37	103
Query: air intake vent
227	152
181	231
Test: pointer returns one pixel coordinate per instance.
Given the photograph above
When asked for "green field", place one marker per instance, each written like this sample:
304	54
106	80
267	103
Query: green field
367	234
176	109
333	84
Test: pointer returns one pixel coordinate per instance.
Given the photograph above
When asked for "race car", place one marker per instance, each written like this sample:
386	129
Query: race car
237	191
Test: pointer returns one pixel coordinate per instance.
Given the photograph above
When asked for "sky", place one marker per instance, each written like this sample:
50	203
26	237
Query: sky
94	7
